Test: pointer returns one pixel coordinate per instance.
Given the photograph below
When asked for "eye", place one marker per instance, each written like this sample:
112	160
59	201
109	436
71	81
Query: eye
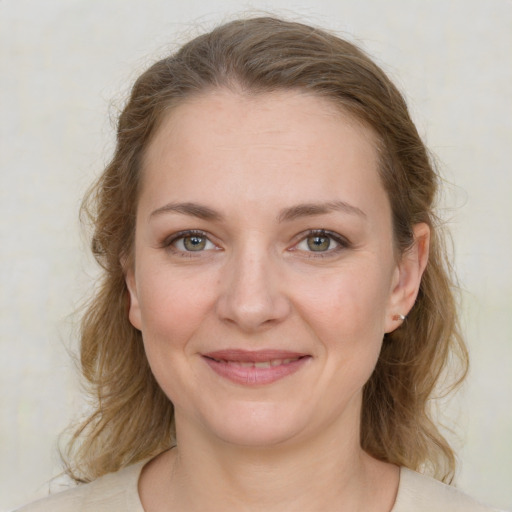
318	243
191	241
321	241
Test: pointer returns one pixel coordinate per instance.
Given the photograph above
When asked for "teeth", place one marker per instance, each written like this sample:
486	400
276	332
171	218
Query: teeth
260	364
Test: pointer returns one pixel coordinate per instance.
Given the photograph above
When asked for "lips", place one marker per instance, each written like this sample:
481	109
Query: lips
255	367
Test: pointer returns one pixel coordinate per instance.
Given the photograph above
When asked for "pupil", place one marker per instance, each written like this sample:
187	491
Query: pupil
194	243
319	243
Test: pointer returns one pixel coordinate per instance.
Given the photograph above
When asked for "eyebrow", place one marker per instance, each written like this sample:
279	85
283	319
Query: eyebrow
310	209
193	209
286	215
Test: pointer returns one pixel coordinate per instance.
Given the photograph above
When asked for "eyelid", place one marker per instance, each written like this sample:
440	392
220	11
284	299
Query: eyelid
168	242
343	243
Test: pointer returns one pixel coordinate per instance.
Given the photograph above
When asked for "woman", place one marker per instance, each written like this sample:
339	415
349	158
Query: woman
276	308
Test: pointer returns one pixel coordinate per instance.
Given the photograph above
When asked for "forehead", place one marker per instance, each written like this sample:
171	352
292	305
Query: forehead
281	146
226	113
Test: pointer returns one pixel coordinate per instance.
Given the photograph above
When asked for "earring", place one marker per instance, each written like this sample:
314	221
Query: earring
399	317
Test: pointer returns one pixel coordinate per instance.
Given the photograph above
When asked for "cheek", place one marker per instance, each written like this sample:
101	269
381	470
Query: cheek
172	308
346	308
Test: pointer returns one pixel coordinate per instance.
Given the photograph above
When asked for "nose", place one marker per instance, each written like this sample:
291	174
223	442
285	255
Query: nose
252	297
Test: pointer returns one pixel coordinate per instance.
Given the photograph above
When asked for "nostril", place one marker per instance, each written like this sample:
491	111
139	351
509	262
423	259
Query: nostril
249	314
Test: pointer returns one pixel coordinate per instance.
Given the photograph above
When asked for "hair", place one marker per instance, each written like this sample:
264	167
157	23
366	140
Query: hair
132	419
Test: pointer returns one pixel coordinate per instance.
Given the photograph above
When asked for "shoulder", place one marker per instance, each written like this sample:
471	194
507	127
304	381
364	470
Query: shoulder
423	494
112	492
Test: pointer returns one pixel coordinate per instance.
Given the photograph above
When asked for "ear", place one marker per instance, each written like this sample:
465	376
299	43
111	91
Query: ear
134	309
407	279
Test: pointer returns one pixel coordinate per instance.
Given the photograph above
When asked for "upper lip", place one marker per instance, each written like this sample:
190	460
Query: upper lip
255	356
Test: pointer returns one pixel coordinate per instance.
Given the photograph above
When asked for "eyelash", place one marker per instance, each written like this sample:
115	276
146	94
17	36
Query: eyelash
342	242
169	242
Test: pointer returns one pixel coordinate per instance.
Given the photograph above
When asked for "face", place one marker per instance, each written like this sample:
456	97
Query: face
265	274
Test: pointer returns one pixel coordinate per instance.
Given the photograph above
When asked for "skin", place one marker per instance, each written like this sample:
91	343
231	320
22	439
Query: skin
257	283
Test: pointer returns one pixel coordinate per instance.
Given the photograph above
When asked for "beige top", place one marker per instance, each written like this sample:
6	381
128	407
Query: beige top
117	492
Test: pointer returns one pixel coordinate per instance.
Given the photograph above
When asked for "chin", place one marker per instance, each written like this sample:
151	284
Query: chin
255	425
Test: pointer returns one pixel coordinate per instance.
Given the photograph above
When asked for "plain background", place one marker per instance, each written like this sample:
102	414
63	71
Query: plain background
66	66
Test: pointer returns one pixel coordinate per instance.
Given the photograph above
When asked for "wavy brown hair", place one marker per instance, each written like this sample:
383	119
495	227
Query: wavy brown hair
132	418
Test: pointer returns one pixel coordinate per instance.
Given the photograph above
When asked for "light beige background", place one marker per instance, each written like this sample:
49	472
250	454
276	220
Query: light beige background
63	61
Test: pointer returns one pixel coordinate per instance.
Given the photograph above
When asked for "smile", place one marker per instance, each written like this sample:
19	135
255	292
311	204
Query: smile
254	368
259	364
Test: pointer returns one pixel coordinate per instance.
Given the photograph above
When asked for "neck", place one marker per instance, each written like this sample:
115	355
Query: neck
328	472
270	478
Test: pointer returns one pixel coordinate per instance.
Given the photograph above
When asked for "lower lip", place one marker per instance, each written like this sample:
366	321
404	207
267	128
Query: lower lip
252	376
